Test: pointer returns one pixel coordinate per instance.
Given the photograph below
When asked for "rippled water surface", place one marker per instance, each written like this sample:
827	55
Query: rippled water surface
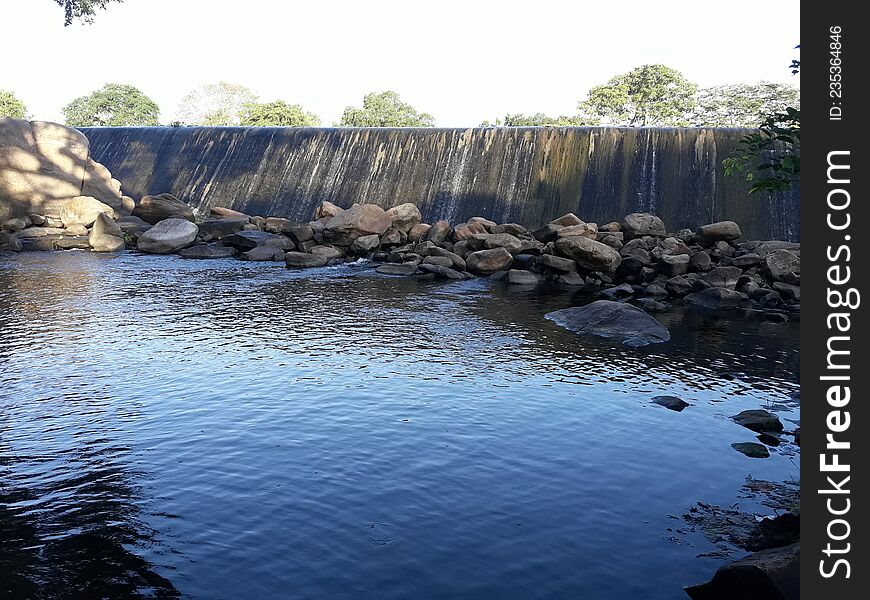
222	429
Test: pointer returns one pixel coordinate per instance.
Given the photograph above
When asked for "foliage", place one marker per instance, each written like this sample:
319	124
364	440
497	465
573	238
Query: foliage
215	104
385	110
115	105
83	10
10	106
650	95
540	120
276	114
773	151
742	105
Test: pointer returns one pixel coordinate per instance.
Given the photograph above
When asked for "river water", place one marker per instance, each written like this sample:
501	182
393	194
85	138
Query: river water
223	429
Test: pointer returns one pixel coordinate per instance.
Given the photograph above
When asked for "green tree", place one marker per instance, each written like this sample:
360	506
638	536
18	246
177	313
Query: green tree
276	114
83	10
215	104
385	110
540	120
651	95
10	106
742	105
115	105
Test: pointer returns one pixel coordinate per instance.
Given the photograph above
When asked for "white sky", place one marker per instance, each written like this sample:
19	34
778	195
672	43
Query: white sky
463	61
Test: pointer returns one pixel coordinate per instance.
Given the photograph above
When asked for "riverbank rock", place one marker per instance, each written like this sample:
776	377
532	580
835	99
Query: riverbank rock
9	243
83	210
365	244
717	298
153	209
784	266
517	277
405	269
106	235
327	210
303	260
404	216
641	224
589	254
613	320
487	262
723	231
357	221
248	240
776	532
207	251
751	449
169	235
767	575
758	420
671	402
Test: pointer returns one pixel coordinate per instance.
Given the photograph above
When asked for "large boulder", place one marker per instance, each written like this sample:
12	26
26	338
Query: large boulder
168	236
556	263
613	320
589	254
723	231
303	260
439	232
356	221
106	235
278	225
153	209
418	232
327	210
724	277
83	210
767	575
641	224
783	265
758	420
487	262
365	244
588	230
218	228
405	216
220	212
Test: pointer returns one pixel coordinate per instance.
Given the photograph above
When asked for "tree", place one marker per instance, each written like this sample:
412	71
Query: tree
651	95
81	9
540	120
115	105
742	105
385	110
215	104
276	114
10	106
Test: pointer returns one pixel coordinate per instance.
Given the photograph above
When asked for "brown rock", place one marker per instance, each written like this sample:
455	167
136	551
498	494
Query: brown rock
487	262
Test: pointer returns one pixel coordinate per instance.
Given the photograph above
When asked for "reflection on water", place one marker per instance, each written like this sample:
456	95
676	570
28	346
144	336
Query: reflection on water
227	429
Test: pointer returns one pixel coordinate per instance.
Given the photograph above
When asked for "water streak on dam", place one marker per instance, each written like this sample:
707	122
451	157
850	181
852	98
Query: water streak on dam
523	175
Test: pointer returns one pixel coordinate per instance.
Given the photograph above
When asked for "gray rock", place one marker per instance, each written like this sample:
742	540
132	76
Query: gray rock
438	260
263	254
651	306
587	230
153	209
220	228
700	262
327	210
129	223
566	220
517	277
572	278
301	233
168	236
207	251
775	532
556	263
219	212
365	244
9	242
758	420
707	235
439	232
393	237
671	402
547	233
440	271
716	298
589	254
679	285
487	262
618	292
641	224
788	291
614	320
783	265
78	230
482	221
397	269
751	449
77	242
458	261
17	224
327	252
278	225
767	575
673	265
418	232
37	220
246	240
723	277
83	210
302	260
356	221
404	216
746	260
39	244
654	290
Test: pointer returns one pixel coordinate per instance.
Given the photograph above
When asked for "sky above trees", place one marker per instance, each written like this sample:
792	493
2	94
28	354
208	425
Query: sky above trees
464	62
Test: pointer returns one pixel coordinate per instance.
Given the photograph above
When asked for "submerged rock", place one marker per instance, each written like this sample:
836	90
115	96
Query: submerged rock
751	449
717	298
405	269
303	260
766	575
671	402
758	420
613	320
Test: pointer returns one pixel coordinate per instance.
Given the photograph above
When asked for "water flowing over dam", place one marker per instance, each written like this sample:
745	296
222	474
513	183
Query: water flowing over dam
526	175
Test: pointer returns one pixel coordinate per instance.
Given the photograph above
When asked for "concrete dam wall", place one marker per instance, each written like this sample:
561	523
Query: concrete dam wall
522	175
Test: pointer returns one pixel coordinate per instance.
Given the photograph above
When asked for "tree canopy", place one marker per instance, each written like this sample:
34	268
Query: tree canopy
385	109
215	104
742	105
276	114
114	105
540	120
11	106
650	95
82	10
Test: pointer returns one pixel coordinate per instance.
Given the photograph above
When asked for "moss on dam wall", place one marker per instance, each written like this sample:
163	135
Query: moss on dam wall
523	175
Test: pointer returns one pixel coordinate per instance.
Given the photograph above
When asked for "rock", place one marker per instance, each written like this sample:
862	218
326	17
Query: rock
758	420
671	402
767	575
783	265
439	232
78	230
457	262
247	240
393	237
636	248
219	228
707	235
438	260
130	223
716	298
169	235
751	449
746	261
570	279
9	243
788	291
357	221
278	225
83	210
517	277
38	232
488	225
723	277
587	230
207	251
103	225
303	260
418	232
779	531
39	244
405	269
700	262
263	254
466	230
36	220
566	220
654	290
328	252
556	263
17	224
673	265
613	320
74	242
618	292
327	210
106	235
153	209
515	229
219	212
501	240
365	244
589	254
651	306
547	233
52	221
404	216
640	224
487	262
439	271
611	239
301	233
679	286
